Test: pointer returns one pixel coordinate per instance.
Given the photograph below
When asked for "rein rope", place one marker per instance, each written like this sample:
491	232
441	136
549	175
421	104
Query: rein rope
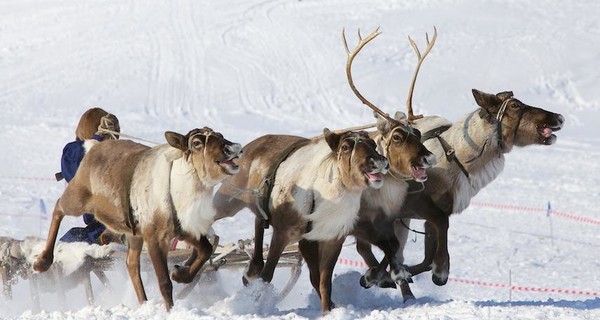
114	133
409	228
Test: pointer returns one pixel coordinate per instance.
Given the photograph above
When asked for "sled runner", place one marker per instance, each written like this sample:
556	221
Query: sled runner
68	273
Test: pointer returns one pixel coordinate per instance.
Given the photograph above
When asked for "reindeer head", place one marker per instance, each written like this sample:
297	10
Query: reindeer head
519	124
211	155
359	164
402	146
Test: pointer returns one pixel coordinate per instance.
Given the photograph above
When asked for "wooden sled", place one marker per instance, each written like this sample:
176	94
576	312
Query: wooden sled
14	265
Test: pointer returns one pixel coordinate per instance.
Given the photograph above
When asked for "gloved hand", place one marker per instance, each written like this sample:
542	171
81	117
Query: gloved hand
109	127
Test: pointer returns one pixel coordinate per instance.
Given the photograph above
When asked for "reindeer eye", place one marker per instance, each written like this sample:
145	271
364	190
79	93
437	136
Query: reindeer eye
345	147
397	137
197	143
516	106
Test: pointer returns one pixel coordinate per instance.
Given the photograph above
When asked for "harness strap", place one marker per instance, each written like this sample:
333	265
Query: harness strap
413	230
269	181
434	133
451	155
130	221
448	150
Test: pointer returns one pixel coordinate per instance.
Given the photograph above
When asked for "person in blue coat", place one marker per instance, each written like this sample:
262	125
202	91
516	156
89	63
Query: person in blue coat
99	125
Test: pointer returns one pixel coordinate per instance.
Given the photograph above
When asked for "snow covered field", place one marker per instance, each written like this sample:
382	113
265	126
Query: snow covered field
247	68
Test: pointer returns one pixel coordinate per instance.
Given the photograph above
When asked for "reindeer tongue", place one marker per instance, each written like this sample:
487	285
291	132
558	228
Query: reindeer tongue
419	173
546	132
375	176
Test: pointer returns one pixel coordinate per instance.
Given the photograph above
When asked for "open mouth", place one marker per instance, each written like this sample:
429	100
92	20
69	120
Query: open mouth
374	179
229	166
419	173
547	135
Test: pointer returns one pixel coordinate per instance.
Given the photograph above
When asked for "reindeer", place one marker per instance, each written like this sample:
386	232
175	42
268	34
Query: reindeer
152	195
291	207
309	192
471	153
379	207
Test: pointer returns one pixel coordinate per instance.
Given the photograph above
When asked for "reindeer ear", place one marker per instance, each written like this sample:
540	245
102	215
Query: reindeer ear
176	140
485	100
383	125
399	115
504	95
333	139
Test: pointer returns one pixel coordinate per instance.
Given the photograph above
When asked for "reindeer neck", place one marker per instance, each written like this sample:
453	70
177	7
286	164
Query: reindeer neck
474	140
476	145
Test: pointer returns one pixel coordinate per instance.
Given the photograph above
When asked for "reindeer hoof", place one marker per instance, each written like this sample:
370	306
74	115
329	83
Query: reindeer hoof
440	281
181	274
42	263
401	273
387	283
365	283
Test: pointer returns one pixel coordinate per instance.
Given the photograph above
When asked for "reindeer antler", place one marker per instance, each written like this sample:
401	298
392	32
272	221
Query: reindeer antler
420	58
351	55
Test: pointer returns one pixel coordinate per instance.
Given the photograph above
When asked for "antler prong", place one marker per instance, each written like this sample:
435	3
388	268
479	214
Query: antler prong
351	55
420	59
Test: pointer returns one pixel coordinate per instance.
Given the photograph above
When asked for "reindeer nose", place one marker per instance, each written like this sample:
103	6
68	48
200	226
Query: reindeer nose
379	165
561	119
233	150
429	159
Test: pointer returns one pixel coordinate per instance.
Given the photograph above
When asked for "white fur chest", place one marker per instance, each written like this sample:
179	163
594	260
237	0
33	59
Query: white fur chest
191	200
333	218
389	198
467	188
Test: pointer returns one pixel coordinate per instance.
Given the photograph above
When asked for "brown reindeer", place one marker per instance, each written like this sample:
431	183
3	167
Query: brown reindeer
479	141
380	208
309	190
408	158
152	195
471	153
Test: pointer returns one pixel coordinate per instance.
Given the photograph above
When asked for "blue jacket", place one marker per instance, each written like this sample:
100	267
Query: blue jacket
72	155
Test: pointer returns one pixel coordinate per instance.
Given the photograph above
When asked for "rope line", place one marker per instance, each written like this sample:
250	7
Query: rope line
361	264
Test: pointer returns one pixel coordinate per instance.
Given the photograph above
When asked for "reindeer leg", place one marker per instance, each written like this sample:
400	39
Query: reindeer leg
401	233
278	243
44	260
135	244
202	252
398	271
257	263
377	273
158	251
441	259
430	248
310	253
370	277
329	251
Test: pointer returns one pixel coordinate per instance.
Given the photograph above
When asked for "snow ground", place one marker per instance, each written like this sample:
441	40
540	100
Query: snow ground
248	68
